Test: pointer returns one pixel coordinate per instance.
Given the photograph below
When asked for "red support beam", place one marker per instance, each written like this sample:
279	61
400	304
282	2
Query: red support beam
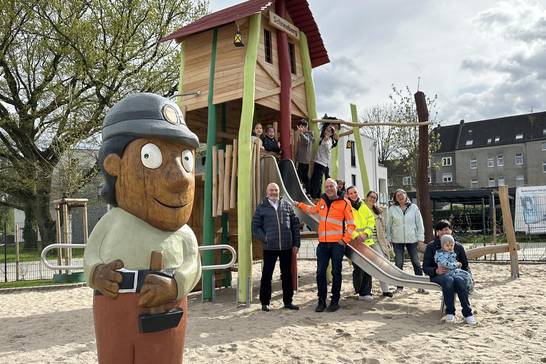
286	84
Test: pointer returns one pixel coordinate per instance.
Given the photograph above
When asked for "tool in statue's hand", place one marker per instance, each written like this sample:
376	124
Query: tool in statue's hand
157	289
106	280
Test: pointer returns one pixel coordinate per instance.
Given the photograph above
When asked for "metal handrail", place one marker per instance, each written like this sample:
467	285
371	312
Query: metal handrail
201	248
219	247
60	246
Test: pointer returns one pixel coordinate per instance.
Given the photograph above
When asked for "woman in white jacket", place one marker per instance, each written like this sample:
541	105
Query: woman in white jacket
405	229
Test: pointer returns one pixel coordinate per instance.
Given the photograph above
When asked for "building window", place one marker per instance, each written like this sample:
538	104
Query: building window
446	161
353	179
489	140
353	154
500	181
474	183
500	160
520	180
519	136
473	163
544	166
267	47
429	179
519	159
491	182
543	146
390	182
543	131
497	139
292	53
491	162
447	177
406	181
469	142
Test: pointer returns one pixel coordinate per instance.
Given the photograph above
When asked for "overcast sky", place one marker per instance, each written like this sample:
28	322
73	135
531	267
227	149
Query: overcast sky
483	58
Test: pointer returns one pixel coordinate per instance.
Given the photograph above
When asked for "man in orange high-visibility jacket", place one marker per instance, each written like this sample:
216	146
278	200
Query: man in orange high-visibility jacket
336	226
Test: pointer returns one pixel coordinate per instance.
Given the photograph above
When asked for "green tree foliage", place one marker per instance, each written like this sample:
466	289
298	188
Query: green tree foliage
62	64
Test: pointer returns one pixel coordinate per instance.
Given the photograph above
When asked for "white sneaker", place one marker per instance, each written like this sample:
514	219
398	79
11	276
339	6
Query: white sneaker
365	298
450	319
471	320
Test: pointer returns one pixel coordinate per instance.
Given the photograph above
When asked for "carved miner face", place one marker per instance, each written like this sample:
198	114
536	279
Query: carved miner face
155	181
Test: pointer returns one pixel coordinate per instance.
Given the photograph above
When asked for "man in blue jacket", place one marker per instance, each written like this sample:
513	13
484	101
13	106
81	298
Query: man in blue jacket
277	227
450	285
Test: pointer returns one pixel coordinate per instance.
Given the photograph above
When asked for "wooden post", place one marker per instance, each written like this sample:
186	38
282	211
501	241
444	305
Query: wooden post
244	213
360	154
85	224
221	165
233	185
509	230
423	196
58	235
227	177
209	207
494	217
310	96
16	252
258	176
65	234
285	76
214	180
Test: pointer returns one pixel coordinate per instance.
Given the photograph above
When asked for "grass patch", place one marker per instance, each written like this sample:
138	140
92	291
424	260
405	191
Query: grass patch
31	283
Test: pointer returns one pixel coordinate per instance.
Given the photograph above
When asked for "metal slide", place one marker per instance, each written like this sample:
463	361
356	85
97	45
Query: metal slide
366	258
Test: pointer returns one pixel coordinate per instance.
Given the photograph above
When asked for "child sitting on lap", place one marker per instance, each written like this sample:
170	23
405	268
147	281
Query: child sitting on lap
448	258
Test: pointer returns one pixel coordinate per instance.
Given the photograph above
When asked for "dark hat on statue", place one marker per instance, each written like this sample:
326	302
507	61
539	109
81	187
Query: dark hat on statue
148	115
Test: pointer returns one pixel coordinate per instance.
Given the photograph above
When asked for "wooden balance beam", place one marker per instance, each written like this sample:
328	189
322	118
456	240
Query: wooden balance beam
489	249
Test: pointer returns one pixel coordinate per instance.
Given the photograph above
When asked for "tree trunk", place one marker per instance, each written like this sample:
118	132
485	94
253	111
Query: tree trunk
29	232
46	224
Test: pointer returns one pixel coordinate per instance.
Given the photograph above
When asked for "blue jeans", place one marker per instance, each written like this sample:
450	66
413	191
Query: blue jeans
450	286
414	257
325	252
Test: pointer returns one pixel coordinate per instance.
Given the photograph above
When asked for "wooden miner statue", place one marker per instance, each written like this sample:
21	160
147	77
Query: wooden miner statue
142	259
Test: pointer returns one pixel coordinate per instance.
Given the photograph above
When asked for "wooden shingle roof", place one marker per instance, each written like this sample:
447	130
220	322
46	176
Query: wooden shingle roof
299	12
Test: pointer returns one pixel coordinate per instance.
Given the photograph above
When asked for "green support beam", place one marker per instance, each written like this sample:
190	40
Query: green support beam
208	220
310	96
244	185
360	152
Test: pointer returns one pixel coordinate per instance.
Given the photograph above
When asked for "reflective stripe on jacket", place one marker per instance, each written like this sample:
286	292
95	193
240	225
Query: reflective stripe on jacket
364	222
331	219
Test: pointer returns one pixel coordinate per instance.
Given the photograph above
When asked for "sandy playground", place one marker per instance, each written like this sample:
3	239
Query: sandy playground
57	326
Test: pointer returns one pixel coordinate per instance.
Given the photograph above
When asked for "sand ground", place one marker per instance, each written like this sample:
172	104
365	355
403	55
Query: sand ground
57	326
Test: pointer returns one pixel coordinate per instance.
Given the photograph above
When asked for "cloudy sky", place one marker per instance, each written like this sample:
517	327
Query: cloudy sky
483	58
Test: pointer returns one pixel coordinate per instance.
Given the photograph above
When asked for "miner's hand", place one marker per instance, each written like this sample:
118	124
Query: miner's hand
106	280
157	290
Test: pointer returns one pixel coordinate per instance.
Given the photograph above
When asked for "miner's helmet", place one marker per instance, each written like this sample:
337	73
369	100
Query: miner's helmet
148	115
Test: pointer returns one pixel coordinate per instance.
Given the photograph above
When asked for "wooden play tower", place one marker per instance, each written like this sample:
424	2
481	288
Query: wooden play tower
248	63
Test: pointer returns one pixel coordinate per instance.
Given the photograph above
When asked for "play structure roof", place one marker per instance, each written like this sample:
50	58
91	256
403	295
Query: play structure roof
299	12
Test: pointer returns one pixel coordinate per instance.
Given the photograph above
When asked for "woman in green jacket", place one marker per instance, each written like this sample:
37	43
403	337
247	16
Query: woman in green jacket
365	226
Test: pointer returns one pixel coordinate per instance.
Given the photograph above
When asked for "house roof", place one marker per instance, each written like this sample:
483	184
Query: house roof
483	133
299	12
448	138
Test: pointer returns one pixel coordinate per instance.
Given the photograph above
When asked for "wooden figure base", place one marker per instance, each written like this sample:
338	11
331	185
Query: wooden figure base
120	341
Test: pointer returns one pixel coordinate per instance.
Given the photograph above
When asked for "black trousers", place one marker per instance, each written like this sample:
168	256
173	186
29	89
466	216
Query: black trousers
316	179
362	281
270	258
303	174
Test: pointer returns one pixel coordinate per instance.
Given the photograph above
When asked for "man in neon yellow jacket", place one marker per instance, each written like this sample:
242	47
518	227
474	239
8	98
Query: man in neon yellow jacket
365	226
